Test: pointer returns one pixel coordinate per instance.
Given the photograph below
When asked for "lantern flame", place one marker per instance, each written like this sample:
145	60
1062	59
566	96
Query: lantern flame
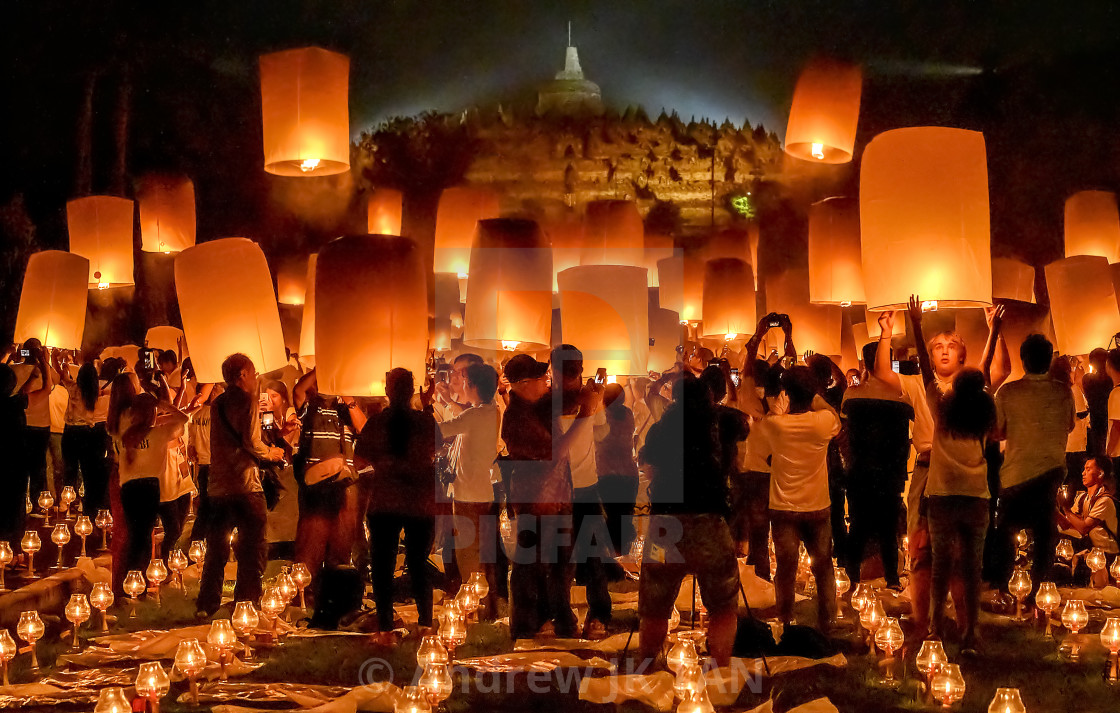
818	151
730	336
309	164
102	285
929	306
846	303
509	345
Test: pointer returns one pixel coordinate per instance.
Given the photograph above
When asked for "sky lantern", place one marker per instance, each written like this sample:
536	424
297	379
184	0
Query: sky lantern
510	303
167	213
604	312
305	107
871	323
380	278
729	242
815	327
1082	303
447	315
729	301
681	287
52	304
613	234
163	337
101	230
1093	225
664	336
291	282
657	247
306	349
924	226
824	112
386	206
228	306
835	262
460	209
1012	280
566	235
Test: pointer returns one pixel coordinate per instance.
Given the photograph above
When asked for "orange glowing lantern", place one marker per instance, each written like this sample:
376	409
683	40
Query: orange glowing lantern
305	107
457	217
307	325
681	288
658	247
604	311
824	113
291	282
1012	280
729	303
664	336
381	278
163	338
613	234
566	236
167	214
52	304
510	304
101	230
815	327
729	243
1082	303
872	325
835	263
386	206
227	305
1093	225
447	318
924	218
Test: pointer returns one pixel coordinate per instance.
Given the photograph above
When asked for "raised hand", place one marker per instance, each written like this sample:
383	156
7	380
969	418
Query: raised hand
915	309
886	324
994	316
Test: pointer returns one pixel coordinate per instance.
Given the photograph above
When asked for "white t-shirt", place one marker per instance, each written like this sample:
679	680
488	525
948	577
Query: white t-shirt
957	467
755	449
174	482
199	430
585	472
149	460
1078	439
58	400
1102	509
38	411
476	429
1113	415
914	389
799	453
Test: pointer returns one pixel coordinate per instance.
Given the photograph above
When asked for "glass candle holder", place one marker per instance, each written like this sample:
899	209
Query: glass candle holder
104	522
6	557
112	700
78	612
222	638
245	621
102	598
30	628
153	683
83	528
8	651
302	577
30	544
190	659
60	535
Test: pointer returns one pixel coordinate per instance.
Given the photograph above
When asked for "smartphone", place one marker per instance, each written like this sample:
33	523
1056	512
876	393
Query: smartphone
262	402
855	381
150	360
894	365
600	375
25	353
268	419
735	376
774	322
443	374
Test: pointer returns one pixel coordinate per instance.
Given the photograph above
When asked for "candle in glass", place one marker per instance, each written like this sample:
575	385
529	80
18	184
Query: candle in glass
77	611
480	586
222	638
1007	700
83	528
689	681
152	683
31	544
197	552
177	562
30	628
696	703
8	650
134	586
889	638
190	659
46	500
67	498
871	618
273	605
931	654
862	595
6	557
1064	551
431	650
436	682
1047	600
682	653
454	630
60	535
102	598
1074	617
157	573
843	583
1110	637
1020	586
112	700
414	700
245	622
302	577
948	684
104	522
287	587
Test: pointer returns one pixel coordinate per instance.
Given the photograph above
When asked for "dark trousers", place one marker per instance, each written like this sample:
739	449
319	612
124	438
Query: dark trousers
590	550
384	535
837	484
750	518
140	503
957	526
1029	505
13	495
202	513
814	529
84	451
501	561
541	575
618	493
248	514
173	514
36	443
874	516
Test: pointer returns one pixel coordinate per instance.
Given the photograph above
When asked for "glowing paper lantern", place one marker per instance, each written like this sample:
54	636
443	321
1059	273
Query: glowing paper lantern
101	231
447	318
380	278
614	234
1093	225
307	326
510	303
1012	280
459	211
52	304
129	353
167	213
682	286
924	218
824	112
163	338
386	206
835	263
604	312
227	305
658	247
729	303
730	242
291	282
872	325
664	336
815	327
566	236
305	106
1082	303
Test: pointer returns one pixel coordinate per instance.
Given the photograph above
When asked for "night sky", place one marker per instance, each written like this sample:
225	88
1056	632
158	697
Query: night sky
1038	79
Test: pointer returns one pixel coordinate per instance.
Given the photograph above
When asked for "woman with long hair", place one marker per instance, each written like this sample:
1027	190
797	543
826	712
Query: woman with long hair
84	444
958	499
281	428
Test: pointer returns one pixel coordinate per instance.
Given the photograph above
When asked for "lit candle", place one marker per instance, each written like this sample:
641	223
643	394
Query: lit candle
190	659
8	650
436	682
31	544
78	612
1007	700
273	605
102	598
6	557
67	496
134	586
414	700
157	573
46	500
177	562
245	621
682	653
431	650
104	522
1048	600
30	628
889	638
60	535
112	700
197	552
83	527
302	577
1020	586
1110	637
689	681
222	638
948	684
152	683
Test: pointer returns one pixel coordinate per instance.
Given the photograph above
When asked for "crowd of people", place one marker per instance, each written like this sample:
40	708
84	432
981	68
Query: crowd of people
529	473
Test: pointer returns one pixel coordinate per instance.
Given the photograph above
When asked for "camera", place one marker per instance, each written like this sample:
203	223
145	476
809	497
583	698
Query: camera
25	353
894	366
774	320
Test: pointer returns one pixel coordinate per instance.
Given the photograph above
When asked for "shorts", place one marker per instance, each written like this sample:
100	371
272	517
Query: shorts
682	544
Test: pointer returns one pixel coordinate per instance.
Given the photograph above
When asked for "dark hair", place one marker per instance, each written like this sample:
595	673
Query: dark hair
821	366
712	376
142	416
1098	357
399	386
167	356
570	359
233	366
1036	352
1061	369
484	378
87	385
7	380
801	385
869	351
121	395
110	368
1114	359
1104	463
280	388
968	411
469	358
614	400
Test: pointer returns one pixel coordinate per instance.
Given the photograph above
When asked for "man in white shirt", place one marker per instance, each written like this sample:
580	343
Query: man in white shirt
799	501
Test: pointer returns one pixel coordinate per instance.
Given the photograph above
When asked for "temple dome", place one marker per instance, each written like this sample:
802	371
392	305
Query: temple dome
570	94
